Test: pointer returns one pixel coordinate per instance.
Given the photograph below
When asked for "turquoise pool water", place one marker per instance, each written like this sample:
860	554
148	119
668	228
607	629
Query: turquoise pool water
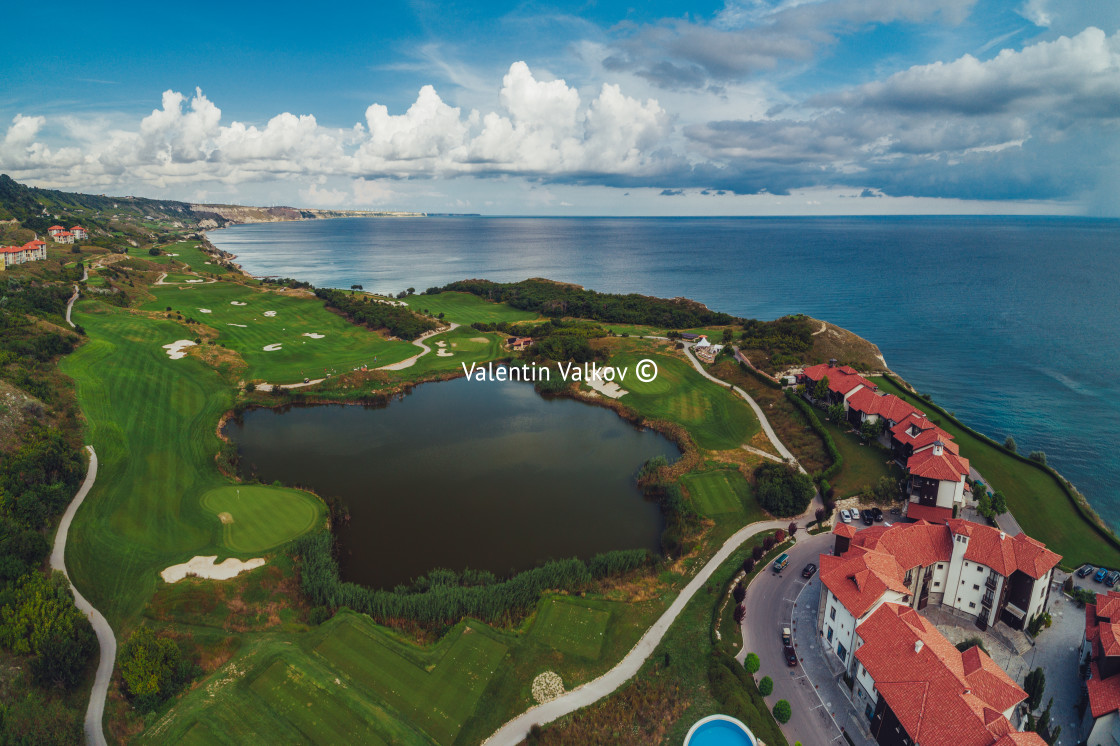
719	731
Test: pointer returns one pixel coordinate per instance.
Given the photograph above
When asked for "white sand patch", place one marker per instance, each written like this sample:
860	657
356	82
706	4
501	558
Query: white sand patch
269	313
237	303
313	335
205	567
243	326
204	310
443	353
193	281
206	262
607	388
178	350
171	255
441	344
272	347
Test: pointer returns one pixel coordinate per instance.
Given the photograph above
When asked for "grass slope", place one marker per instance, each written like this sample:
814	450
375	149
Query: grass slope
151	420
863	464
343	347
1034	496
467	309
724	494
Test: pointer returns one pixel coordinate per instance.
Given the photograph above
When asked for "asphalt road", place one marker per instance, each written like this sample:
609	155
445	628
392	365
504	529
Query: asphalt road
95	712
769	602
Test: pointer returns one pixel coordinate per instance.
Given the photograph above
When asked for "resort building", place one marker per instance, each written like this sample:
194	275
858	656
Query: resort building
936	483
843	381
707	353
1100	670
518	343
915	687
54	230
64	237
870	405
29	252
79	233
978	571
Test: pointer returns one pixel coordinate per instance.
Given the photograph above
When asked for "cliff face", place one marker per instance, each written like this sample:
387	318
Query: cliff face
241	214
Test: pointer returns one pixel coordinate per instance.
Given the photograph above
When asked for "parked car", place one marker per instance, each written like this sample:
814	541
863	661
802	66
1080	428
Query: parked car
877	515
1101	573
1085	571
787	637
845	516
896	511
781	562
809	571
868	519
1112	578
791	656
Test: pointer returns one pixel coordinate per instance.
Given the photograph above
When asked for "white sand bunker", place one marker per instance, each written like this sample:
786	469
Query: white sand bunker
441	344
443	353
204	310
243	326
313	335
171	255
206	262
269	313
607	388
178	350
237	303
272	347
204	567
196	281
547	687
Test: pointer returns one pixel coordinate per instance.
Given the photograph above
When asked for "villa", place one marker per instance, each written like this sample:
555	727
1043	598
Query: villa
55	230
79	233
1099	661
29	252
843	381
518	343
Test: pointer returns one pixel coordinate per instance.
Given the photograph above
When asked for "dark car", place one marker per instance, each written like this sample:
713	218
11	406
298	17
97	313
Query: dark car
791	656
877	515
896	511
1085	571
868	519
809	571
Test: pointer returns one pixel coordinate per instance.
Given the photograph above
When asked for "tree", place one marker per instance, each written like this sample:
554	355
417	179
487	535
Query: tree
820	390
152	669
1035	685
1038	456
886	491
792	528
872	430
782	711
740	612
356	287
835	413
999	503
768	543
728	336
153	251
766	686
40	619
739	593
782	490
752	663
779	536
1009	444
748	565
756	552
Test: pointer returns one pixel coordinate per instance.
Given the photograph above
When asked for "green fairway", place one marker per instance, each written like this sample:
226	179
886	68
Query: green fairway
256	518
151	420
1034	496
716	418
246	329
466	308
863	464
572	629
186	252
723	493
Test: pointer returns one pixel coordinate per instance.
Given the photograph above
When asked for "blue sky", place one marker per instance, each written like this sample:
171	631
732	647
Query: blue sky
745	107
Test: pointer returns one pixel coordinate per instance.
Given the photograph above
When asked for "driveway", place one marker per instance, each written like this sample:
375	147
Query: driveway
819	709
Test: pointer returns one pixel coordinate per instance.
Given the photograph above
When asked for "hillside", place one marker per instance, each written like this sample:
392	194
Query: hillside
243	214
798	341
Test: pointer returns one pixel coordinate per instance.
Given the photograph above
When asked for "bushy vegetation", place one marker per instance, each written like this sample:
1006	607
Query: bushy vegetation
557	299
556	339
782	490
784	340
38	480
362	309
38	619
153	669
444	596
28	717
740	698
817	427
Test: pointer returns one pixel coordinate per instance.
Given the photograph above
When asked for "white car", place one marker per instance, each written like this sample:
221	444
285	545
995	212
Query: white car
845	516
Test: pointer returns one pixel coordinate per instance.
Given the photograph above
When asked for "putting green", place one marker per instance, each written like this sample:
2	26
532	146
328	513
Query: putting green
256	518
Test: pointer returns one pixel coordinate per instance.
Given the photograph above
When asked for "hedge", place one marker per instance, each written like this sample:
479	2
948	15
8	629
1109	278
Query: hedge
819	429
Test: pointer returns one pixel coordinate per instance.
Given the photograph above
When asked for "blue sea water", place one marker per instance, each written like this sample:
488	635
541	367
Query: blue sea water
1013	324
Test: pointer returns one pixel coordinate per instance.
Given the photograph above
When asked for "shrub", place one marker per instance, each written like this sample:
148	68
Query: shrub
964	645
782	711
766	686
748	565
752	663
1082	596
740	612
779	536
739	593
792	528
1009	444
782	490
1039	456
757	552
154	252
152	669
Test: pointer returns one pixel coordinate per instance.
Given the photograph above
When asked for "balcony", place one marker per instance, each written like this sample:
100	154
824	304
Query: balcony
991	582
987	600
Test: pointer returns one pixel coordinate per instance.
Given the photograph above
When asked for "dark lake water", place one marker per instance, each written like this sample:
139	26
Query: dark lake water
1011	323
460	474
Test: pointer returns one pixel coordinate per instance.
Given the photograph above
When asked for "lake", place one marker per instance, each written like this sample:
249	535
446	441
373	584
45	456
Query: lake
462	473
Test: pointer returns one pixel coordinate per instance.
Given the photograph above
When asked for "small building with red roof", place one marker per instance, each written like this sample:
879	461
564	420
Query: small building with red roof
917	688
63	237
936	481
79	233
1100	669
843	381
54	230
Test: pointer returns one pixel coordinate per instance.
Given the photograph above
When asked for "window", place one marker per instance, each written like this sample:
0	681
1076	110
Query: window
975	587
841	651
940	566
979	568
829	635
869	712
937	584
971	605
832	613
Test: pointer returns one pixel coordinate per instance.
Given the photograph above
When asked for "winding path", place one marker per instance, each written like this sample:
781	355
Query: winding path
515	731
74	297
95	712
419	342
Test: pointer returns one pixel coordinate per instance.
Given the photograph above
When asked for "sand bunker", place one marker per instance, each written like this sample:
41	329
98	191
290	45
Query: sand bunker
225	517
206	262
204	567
171	255
607	388
272	347
269	313
443	353
204	310
178	350
237	303
313	335
192	281
441	344
243	326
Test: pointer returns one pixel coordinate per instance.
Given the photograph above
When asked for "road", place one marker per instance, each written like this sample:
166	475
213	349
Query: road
769	603
419	342
95	712
515	731
74	297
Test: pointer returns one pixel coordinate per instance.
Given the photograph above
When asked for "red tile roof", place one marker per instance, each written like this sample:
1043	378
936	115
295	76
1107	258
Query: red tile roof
928	433
860	578
887	406
911	544
77	228
10	249
56	228
1104	694
842	379
844	529
1102	628
946	466
942	697
1005	554
930	513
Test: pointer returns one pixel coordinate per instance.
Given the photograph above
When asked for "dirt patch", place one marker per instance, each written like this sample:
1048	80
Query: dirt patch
225	518
480	340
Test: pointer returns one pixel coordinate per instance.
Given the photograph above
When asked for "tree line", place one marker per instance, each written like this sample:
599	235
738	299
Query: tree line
361	309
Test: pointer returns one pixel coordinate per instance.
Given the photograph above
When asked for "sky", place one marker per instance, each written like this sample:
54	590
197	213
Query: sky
740	107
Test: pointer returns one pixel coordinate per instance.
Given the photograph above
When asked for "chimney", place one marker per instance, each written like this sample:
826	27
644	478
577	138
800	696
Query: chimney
918	646
938	448
1002	535
832	362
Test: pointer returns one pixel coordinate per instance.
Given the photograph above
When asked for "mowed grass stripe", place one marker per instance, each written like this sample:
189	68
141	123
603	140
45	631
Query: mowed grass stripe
467	309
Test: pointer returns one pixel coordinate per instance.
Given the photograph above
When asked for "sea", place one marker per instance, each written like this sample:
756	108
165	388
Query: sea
1011	323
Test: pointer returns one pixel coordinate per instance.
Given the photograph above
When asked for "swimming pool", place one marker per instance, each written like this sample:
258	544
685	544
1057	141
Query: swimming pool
719	730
